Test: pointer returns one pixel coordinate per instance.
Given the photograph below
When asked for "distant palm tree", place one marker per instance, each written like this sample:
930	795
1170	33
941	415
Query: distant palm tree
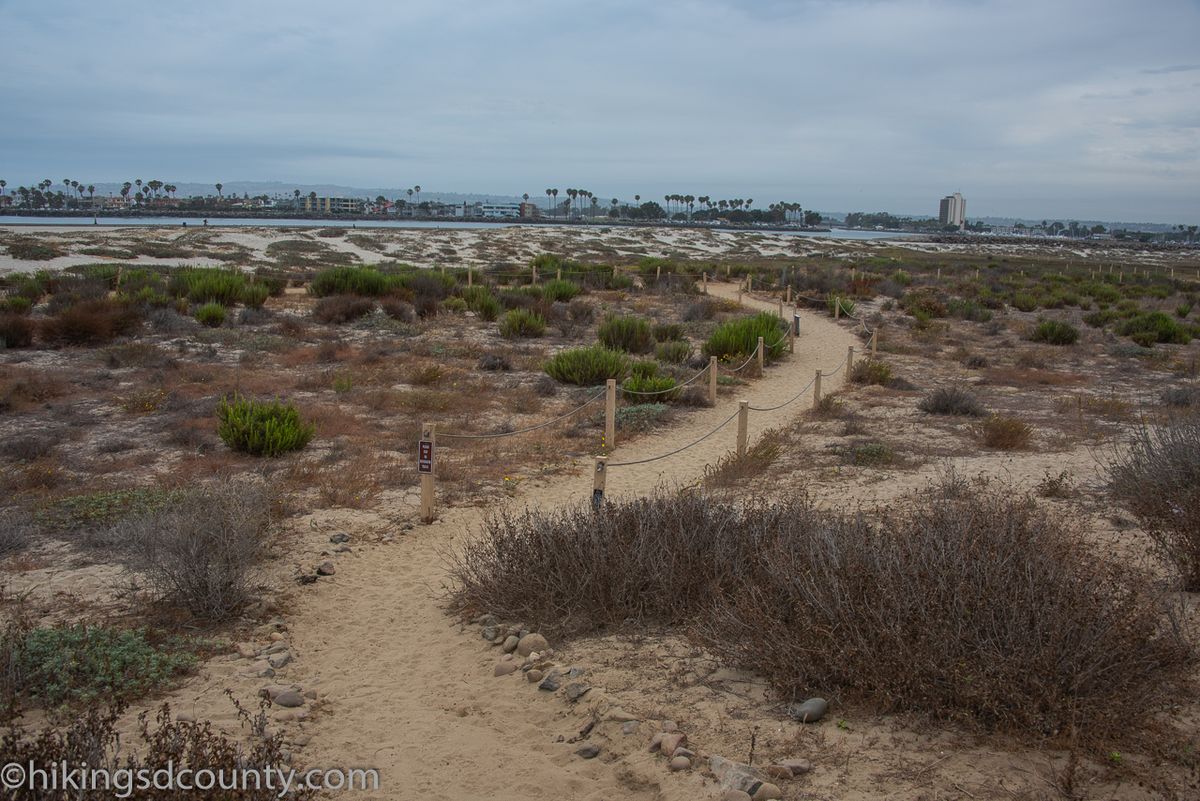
219	188
555	193
91	191
410	194
595	203
3	183
637	199
525	197
547	200
417	189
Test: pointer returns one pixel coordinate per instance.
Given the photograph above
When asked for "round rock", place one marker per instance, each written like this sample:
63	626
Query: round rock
767	792
530	643
289	698
679	763
810	711
504	668
510	644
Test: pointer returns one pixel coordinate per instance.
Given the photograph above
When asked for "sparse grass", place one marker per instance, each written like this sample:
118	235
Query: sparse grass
587	366
730	470
1004	433
1157	477
952	401
673	352
642	388
561	291
640	417
364	281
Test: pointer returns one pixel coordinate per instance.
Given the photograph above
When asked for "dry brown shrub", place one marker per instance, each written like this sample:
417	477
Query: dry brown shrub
731	469
21	388
1019	377
1004	433
976	606
90	322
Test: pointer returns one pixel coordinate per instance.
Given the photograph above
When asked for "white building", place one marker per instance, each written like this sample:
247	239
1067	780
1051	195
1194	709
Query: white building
953	210
503	210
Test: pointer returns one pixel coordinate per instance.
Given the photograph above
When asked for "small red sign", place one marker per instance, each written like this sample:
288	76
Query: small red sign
425	457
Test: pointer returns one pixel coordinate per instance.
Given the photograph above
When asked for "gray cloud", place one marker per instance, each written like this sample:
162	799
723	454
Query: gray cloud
1028	108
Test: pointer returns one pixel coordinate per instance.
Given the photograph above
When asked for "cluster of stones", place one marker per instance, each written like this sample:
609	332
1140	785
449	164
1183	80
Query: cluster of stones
268	659
529	652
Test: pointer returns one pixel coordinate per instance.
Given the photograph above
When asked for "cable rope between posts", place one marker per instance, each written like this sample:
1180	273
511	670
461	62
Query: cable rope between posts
740	367
793	399
728	420
832	373
551	421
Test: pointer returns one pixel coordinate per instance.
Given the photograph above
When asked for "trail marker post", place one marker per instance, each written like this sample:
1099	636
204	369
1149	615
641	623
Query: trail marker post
599	479
712	380
788	298
849	361
610	414
760	353
470	274
425	451
743	427
817	390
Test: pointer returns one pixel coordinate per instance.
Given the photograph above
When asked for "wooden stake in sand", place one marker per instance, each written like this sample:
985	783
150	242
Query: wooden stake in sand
874	343
470	277
704	283
760	354
599	479
837	308
849	361
817	391
425	468
559	274
712	380
610	414
743	427
788	297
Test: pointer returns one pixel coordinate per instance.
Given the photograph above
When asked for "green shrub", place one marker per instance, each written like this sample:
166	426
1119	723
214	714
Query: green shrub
659	388
675	352
88	664
256	294
627	333
871	453
620	281
522	323
1055	332
737	339
1183	310
456	305
871	371
667	332
832	302
588	366
1025	302
211	314
366	281
969	310
208	285
17	304
1004	433
1148	328
1101	318
260	428
481	301
560	290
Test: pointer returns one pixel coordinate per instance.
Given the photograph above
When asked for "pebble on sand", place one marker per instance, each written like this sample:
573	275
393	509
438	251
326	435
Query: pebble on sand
589	751
680	763
326	568
810	711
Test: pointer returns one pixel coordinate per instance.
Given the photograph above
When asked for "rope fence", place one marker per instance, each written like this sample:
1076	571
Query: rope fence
429	434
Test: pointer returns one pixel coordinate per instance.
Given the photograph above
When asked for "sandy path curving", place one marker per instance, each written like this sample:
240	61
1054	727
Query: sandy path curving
408	691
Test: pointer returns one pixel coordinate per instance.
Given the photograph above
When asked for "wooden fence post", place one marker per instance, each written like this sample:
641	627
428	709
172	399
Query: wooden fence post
712	379
657	273
743	427
559	274
837	308
610	415
704	284
817	391
788	299
428	432
791	335
599	480
470	275
761	354
849	361
875	342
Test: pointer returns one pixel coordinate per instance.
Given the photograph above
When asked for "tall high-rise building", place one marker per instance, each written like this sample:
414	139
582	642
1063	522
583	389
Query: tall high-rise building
953	210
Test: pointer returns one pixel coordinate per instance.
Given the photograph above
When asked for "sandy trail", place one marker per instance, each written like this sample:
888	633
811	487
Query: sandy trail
411	694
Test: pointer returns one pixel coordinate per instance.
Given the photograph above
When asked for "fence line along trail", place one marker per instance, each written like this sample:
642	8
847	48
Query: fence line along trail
407	691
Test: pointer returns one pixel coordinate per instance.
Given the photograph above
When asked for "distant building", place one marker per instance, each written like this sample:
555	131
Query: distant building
500	210
332	205
953	210
530	210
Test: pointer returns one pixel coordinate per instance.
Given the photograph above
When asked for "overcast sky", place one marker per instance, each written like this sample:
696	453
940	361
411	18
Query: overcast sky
1087	110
